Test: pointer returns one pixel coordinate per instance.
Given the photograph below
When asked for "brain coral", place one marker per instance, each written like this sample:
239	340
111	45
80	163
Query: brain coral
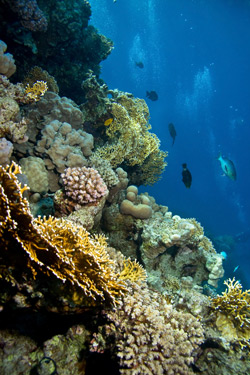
83	185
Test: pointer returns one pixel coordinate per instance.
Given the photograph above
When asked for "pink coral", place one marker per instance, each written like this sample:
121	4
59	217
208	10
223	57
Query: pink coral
83	185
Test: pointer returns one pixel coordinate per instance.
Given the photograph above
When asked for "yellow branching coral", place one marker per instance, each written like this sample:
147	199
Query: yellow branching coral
232	309
36	91
38	74
132	271
54	246
129	138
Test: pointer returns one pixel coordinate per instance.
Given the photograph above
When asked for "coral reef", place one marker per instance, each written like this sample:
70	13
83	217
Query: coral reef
52	107
7	62
60	353
66	38
150	308
167	245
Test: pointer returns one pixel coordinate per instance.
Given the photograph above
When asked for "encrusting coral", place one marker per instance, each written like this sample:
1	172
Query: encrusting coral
54	247
232	310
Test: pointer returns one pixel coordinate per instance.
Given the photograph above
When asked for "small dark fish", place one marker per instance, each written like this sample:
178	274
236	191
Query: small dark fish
186	176
152	95
172	131
139	64
228	167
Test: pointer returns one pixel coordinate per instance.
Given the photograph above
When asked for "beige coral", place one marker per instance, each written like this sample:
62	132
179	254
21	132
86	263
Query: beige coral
36	173
7	62
64	146
151	336
138	207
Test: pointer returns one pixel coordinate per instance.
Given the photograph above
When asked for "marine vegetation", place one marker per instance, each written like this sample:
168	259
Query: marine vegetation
232	310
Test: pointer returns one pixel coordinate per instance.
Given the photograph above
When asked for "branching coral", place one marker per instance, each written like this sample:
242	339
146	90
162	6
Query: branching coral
151	337
54	247
36	91
39	74
232	309
83	185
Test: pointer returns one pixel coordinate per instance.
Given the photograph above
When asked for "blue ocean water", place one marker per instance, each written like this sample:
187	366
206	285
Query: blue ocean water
196	56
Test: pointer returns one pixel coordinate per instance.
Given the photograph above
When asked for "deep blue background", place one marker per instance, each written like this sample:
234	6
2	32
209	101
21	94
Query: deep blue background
196	55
